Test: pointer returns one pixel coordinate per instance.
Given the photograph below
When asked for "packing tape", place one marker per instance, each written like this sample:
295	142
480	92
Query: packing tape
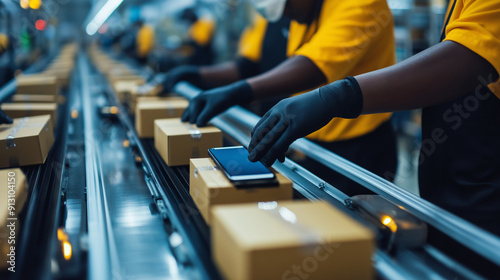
10	140
289	218
204	168
194	131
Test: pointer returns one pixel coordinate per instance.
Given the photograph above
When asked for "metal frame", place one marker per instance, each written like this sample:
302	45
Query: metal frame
466	233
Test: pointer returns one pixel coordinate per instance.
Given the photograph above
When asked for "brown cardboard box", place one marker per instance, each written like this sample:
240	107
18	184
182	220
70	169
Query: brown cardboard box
123	89
209	187
31	98
290	240
134	99
37	84
21	110
177	142
13	185
26	142
148	112
113	79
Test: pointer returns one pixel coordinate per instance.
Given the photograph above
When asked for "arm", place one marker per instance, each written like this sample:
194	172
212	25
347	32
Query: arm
294	75
441	73
220	74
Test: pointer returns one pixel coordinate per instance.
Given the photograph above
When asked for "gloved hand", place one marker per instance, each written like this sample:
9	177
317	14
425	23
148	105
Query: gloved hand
181	73
298	116
210	103
165	82
4	118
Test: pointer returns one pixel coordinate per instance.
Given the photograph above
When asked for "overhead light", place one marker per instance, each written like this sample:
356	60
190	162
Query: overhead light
25	4
40	24
35	4
102	16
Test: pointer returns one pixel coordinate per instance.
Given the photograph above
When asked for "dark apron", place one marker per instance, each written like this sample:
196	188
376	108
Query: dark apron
459	168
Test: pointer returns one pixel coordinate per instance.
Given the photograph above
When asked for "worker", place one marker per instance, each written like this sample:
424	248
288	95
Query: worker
327	40
145	41
457	84
200	35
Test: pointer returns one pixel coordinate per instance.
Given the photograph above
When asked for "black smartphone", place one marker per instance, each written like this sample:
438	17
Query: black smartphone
233	161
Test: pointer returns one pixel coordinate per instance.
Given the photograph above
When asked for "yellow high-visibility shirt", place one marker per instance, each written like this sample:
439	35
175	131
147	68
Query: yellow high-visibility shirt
476	25
145	40
202	31
347	39
252	38
4	43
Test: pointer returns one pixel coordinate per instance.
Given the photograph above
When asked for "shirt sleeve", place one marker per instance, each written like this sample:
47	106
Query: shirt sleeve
202	31
477	27
346	31
250	44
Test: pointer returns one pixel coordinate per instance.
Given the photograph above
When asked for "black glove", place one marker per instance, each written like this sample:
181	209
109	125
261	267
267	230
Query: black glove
4	118
299	116
181	73
210	103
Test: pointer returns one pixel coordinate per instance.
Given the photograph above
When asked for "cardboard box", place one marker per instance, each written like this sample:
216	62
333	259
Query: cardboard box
37	84
208	186
148	112
13	185
31	98
134	99
177	142
26	142
135	78
21	110
290	240
123	89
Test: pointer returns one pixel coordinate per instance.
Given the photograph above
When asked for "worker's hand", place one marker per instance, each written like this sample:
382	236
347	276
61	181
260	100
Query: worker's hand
181	73
298	116
4	118
210	103
153	85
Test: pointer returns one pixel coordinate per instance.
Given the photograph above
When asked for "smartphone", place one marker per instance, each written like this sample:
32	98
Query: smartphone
233	161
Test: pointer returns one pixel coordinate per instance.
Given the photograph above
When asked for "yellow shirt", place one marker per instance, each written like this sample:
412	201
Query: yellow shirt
4	43
476	25
348	38
145	40
201	31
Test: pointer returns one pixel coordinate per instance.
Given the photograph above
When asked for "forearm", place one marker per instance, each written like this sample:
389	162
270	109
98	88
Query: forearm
219	74
438	74
294	75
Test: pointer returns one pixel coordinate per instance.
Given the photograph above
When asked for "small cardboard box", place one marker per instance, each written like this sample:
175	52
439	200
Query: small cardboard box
21	110
13	192
148	112
37	84
209	187
177	142
26	142
31	98
138	79
123	89
63	76
290	240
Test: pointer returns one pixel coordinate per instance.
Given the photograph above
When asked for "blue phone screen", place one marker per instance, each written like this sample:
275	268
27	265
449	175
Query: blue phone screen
235	162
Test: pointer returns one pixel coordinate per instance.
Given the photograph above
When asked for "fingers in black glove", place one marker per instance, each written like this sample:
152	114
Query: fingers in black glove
299	116
181	73
4	118
210	103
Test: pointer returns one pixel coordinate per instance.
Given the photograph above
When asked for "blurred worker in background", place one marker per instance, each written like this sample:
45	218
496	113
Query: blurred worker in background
6	65
326	41
200	37
457	83
144	41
